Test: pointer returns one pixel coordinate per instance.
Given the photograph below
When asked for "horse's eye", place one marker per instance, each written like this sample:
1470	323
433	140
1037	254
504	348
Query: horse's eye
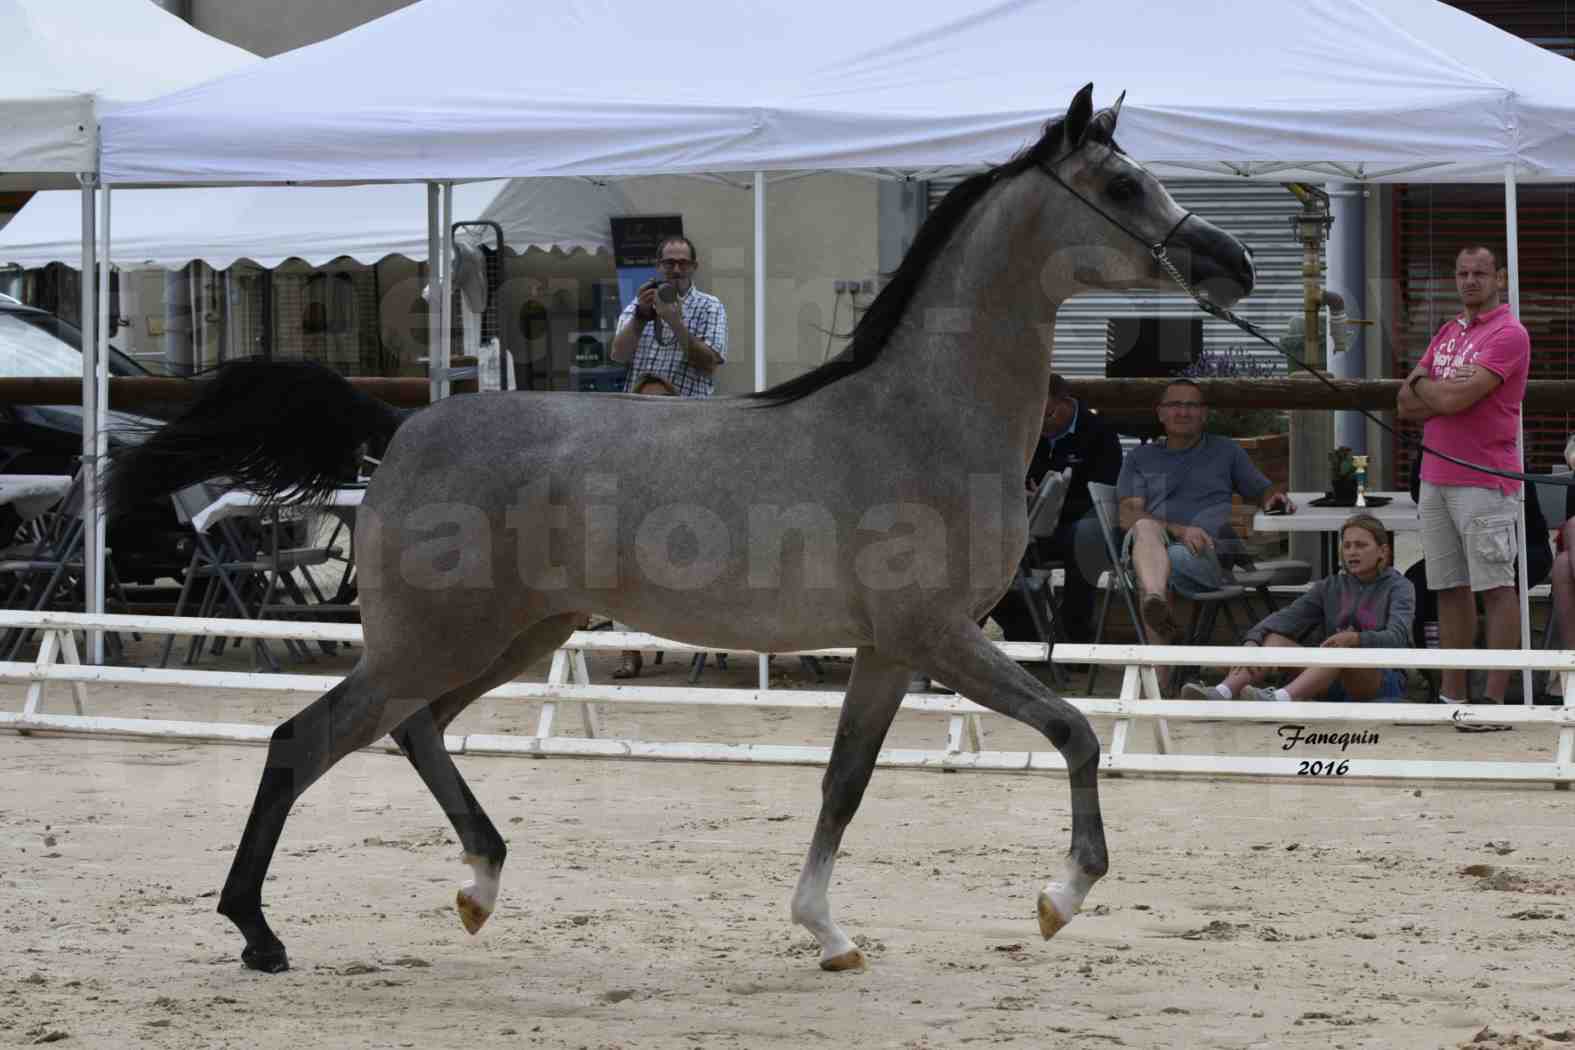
1123	188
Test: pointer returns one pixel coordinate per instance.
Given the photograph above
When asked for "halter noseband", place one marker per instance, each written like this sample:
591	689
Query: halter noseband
1156	248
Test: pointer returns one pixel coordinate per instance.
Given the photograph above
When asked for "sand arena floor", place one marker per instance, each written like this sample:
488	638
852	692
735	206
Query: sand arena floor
645	904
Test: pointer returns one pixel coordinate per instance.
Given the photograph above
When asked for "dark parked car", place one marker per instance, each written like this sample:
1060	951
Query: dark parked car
148	543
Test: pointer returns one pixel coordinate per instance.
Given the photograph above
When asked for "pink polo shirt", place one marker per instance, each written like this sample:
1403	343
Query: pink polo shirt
1486	432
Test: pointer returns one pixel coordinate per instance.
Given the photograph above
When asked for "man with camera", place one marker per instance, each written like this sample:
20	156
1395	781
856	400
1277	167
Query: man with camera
674	337
672	330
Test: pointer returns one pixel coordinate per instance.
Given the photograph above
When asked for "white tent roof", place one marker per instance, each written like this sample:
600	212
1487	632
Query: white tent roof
170	228
60	58
1380	88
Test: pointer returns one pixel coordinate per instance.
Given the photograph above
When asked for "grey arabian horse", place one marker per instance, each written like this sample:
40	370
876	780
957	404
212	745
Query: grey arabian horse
876	501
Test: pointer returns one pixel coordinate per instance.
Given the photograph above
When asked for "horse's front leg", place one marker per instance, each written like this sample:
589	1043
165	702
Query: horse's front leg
967	661
875	692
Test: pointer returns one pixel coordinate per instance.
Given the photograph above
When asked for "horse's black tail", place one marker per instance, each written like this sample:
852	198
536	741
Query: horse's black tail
288	430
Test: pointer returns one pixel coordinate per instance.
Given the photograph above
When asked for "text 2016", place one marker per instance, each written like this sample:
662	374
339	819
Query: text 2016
1318	768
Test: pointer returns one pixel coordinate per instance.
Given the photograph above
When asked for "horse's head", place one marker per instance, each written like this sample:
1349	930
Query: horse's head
1110	213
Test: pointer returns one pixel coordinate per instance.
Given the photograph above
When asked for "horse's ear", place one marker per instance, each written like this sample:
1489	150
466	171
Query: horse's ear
1078	114
1102	126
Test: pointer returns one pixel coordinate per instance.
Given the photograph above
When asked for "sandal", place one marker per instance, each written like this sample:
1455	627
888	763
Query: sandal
1156	613
1478	727
630	667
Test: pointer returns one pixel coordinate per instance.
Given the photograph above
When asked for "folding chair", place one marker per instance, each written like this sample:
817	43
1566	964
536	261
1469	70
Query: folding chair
48	572
1033	579
1206	606
1255	576
217	561
1119	576
242	571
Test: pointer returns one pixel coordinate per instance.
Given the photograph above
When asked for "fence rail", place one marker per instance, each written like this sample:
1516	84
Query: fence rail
569	681
1140	686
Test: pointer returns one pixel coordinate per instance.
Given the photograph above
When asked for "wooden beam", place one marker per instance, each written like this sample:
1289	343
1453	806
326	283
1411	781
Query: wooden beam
1132	397
1118	397
154	392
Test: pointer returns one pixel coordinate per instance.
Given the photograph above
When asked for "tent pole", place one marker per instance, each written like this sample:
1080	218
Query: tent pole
760	332
446	288
92	557
1512	250
106	327
434	248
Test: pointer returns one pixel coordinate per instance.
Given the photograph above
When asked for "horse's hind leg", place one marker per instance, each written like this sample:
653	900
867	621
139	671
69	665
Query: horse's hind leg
347	717
420	737
969	663
875	692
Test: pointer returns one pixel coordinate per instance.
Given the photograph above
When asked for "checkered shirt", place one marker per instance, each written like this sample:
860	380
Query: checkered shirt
706	318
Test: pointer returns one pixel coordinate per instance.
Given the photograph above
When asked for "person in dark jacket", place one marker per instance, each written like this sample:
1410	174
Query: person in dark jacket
1368	605
1072	436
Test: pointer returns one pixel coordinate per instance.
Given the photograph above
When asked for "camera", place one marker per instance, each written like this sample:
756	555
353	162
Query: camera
666	291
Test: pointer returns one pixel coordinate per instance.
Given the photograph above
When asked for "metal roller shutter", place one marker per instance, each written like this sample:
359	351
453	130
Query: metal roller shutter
1259	213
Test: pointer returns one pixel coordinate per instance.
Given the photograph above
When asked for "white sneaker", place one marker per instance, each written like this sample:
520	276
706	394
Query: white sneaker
1259	695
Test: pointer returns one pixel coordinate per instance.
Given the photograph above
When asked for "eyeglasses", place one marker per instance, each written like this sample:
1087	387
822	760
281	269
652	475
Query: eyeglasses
1183	406
675	264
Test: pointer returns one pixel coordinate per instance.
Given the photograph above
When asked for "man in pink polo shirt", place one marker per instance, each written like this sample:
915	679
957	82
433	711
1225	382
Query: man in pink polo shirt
1468	389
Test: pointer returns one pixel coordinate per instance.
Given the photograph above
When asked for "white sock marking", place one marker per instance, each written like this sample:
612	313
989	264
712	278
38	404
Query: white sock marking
484	890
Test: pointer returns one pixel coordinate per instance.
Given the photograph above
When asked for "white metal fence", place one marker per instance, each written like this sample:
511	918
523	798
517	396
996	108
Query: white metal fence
963	747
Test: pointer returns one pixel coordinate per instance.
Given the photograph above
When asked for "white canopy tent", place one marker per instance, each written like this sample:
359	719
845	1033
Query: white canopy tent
1356	90
65	64
317	224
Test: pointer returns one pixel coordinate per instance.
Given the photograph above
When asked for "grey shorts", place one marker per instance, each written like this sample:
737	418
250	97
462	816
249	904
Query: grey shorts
1468	536
1190	574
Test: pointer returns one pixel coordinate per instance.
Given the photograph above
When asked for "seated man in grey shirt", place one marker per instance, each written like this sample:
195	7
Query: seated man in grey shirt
1175	503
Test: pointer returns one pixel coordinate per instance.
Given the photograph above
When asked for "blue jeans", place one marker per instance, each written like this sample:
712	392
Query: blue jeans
1390	691
1190	574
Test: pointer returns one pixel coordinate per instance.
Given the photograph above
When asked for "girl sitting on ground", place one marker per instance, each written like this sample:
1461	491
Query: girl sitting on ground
1368	605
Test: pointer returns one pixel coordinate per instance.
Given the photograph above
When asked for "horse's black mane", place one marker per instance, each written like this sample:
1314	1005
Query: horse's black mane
880	320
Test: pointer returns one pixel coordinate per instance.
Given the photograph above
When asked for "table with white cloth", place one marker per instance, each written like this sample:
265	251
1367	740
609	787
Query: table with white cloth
1398	515
32	494
242	503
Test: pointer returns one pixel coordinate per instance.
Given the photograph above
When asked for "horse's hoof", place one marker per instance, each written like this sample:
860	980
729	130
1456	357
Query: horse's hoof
265	960
471	912
852	959
1050	918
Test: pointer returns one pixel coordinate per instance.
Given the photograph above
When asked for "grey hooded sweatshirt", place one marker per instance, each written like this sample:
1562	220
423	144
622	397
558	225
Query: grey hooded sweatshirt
1380	611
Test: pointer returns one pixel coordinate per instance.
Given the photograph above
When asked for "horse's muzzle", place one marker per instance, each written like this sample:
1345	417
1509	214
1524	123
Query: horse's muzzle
1217	264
